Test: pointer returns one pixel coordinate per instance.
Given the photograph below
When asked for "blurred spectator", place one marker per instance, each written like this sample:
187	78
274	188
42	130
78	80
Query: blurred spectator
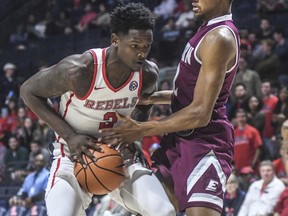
263	194
26	133
281	208
165	9
43	133
103	17
169	42
239	99
233	198
247	143
184	19
21	115
37	149
33	34
246	177
87	18
266	29
255	117
279	166
105	206
64	24
32	191
267	66
281	50
8	118
15	160
269	104
9	86
20	36
281	110
50	26
266	7
248	77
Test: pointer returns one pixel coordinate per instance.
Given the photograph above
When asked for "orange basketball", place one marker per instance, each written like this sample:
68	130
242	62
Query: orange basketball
101	176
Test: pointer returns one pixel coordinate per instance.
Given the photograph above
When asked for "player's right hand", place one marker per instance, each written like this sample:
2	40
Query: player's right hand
79	144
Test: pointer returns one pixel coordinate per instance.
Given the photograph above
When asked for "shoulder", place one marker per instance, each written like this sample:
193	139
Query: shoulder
222	36
150	75
76	65
150	71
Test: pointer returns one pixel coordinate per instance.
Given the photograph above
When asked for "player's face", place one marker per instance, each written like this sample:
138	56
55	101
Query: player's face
134	47
206	9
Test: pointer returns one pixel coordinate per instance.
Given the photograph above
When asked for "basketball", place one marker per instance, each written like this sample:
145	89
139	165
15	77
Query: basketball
101	176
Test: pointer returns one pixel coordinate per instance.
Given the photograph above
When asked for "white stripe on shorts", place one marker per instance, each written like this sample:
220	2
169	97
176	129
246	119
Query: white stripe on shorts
201	168
203	197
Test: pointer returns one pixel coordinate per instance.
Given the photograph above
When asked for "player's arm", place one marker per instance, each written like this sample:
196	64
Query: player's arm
158	97
217	53
67	75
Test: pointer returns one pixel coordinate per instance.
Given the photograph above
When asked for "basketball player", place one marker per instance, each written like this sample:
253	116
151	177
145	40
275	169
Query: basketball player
93	86
196	151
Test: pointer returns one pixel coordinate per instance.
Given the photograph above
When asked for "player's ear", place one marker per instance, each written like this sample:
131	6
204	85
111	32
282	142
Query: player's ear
114	39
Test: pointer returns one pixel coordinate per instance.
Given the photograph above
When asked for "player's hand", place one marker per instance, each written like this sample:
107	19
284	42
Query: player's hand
79	144
129	131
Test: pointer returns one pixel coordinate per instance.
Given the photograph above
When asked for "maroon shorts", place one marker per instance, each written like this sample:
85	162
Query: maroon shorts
198	165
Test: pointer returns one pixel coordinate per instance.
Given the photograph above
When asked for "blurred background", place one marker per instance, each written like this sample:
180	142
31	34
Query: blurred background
36	34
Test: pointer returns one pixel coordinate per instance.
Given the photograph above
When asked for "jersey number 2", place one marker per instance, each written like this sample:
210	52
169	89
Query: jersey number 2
110	119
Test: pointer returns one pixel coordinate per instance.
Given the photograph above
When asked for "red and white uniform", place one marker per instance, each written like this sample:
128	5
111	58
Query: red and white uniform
97	108
87	115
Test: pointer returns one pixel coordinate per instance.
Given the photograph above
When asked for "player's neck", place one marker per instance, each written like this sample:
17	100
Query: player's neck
116	71
216	14
114	64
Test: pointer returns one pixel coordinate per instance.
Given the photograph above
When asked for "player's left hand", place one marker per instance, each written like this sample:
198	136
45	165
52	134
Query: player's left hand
128	132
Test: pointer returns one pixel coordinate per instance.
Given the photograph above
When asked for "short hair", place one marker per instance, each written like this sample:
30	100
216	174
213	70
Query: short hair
131	16
267	163
240	84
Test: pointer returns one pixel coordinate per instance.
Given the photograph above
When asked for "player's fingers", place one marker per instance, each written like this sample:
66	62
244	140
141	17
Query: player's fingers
95	146
114	142
88	153
110	138
80	160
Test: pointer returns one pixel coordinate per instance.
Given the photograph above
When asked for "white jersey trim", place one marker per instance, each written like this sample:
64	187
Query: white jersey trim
236	42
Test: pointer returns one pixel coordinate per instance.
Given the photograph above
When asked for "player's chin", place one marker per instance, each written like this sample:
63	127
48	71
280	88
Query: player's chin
136	67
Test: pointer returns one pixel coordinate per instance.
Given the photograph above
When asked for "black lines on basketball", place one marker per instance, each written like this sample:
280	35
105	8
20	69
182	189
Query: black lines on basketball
103	175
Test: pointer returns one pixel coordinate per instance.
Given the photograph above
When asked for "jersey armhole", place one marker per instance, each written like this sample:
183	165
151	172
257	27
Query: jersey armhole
237	47
94	75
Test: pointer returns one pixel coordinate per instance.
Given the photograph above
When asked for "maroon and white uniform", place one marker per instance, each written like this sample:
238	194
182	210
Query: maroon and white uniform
198	162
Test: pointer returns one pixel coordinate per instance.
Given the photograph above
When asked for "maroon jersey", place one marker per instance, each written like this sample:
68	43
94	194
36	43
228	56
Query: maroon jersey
189	67
198	162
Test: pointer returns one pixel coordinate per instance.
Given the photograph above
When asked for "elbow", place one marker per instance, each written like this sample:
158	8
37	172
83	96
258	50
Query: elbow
203	120
24	90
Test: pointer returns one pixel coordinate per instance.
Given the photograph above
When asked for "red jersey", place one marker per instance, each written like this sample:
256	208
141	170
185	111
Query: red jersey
247	141
268	108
